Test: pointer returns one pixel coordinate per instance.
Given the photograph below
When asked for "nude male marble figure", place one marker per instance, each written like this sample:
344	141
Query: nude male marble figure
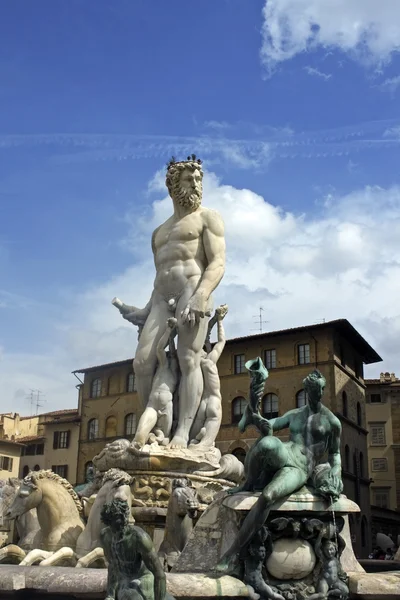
189	256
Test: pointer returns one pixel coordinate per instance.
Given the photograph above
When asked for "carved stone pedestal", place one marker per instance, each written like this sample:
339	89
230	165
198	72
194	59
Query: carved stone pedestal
295	528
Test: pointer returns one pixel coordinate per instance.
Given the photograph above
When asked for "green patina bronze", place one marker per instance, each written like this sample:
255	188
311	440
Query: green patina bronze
134	569
279	469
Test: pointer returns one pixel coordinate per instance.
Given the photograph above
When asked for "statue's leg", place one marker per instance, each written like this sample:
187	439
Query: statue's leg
145	361
199	422
146	423
212	422
190	344
165	414
285	481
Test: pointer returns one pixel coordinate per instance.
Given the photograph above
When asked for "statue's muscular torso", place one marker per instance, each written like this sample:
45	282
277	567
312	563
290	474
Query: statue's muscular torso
179	254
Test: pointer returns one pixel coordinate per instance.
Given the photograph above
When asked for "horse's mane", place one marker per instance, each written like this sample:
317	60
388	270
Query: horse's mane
29	481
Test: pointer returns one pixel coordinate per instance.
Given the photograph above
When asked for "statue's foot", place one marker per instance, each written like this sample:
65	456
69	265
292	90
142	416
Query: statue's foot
177	443
238	489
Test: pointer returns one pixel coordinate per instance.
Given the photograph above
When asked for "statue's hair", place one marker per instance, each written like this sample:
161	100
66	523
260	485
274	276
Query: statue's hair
173	174
314	377
115	474
33	476
113	509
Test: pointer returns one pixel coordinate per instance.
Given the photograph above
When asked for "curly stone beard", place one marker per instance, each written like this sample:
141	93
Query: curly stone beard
188	198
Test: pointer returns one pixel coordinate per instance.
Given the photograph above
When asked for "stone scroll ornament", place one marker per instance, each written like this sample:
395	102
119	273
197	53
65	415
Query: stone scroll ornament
278	469
134	569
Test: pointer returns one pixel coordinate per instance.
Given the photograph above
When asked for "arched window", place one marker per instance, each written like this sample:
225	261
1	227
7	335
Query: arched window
111	427
130	424
270	406
344	404
301	398
364	529
88	470
95	388
361	464
355	468
93	429
36	468
130	383
238	406
347	458
240	454
25	471
359	414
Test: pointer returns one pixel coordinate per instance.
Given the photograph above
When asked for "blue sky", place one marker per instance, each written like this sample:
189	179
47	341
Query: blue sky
294	107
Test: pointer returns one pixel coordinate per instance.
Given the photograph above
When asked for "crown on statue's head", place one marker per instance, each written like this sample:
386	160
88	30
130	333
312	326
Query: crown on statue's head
190	159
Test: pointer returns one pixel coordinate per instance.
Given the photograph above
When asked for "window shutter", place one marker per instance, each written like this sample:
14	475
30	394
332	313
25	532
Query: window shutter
10	464
68	438
55	440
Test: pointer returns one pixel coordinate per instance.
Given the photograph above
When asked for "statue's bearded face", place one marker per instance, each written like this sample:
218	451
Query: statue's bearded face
186	187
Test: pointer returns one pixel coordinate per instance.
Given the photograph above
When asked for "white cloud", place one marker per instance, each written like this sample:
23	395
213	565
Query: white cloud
317	73
367	30
390	85
342	259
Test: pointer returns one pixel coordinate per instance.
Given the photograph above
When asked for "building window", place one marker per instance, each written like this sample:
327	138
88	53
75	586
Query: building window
61	470
61	439
344	404
359	414
381	497
270	406
301	398
95	388
130	424
239	364
364	529
131	383
111	427
378	437
303	354
347	458
379	464
359	369
30	450
342	356
270	359
238	407
25	471
6	463
361	457
375	398
93	429
240	454
39	449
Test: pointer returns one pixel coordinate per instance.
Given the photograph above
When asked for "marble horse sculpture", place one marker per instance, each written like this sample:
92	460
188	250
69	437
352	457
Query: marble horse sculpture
183	507
27	525
58	509
134	569
115	484
278	468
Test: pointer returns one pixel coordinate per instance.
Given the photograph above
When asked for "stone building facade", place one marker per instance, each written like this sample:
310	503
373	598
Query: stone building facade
49	441
109	408
383	422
